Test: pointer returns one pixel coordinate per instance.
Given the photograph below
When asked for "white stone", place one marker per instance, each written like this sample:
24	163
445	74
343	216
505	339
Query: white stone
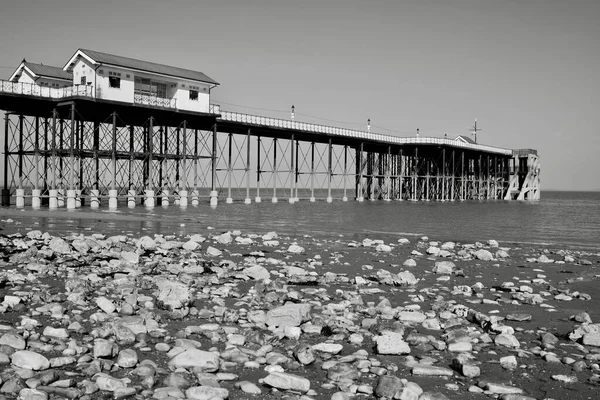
331	348
206	393
211	251
29	360
281	380
295	249
290	314
256	272
195	358
391	343
105	305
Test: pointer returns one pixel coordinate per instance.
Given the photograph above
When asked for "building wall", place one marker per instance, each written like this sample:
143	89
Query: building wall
177	89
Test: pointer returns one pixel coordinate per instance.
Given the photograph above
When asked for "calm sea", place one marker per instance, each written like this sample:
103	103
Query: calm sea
561	219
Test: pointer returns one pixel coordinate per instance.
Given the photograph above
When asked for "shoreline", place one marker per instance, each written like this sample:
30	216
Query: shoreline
308	317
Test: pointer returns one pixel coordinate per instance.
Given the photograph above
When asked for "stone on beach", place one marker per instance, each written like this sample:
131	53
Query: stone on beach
285	381
195	358
444	267
391	343
30	360
290	314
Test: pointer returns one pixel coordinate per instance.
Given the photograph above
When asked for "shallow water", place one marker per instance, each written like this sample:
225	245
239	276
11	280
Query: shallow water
566	219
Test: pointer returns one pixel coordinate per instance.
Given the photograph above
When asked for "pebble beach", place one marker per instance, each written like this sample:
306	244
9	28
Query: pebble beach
231	314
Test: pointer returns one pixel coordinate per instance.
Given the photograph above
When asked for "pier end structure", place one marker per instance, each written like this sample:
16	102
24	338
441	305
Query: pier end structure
75	145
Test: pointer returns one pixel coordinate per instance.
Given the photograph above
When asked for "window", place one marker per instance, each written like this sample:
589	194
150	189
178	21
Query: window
101	72
83	80
114	82
150	88
194	95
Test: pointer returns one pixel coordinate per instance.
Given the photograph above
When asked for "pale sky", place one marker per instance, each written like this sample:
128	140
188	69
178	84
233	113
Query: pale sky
528	70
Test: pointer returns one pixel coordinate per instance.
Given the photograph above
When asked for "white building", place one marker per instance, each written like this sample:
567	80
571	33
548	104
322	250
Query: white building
39	75
128	80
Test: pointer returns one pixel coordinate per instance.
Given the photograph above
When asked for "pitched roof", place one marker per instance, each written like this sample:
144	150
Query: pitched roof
41	70
48	71
147	66
465	139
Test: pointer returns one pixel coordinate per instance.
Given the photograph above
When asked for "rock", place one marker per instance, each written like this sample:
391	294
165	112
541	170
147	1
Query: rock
146	243
130	257
497	388
483	255
211	251
295	249
206	393
444	267
284	381
507	340
304	355
410	263
13	340
591	339
383	248
59	245
544	259
331	348
127	358
290	314
492	243
433	396
194	358
60	333
256	272
105	305
388	386
430	370
32	394
508	362
519	317
248	387
565	378
391	343
29	360
108	383
342	372
173	294
224	238
105	348
191	245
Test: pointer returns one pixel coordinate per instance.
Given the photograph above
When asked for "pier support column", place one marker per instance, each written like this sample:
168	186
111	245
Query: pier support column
5	190
214	195
164	198
359	172
195	197
401	177
20	198
94	198
292	174
112	199
274	198
149	200
247	199
195	194
297	173
35	198
345	197
78	199
71	199
131	198
388	179
229	199
71	191
329	171
257	199
53	199
183	198
312	172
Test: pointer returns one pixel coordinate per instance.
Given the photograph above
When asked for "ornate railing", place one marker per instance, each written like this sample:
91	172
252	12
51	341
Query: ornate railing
332	130
31	89
154	101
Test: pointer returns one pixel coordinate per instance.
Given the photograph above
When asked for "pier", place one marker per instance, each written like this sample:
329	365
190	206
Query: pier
73	147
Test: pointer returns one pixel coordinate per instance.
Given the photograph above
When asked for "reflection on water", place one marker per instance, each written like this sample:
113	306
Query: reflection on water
565	218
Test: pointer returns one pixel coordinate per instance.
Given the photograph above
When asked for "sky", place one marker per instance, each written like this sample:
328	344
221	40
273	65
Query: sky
527	70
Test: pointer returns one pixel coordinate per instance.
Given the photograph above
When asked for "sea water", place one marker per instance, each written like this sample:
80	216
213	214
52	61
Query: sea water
560	219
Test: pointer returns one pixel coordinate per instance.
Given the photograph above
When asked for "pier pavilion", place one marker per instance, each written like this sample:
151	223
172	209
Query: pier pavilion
131	132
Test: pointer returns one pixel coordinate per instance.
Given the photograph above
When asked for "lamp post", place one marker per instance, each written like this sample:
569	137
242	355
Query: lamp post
417	132
293	111
369	125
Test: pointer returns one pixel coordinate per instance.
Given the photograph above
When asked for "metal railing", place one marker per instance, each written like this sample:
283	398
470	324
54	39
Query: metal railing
155	101
524	152
31	89
351	133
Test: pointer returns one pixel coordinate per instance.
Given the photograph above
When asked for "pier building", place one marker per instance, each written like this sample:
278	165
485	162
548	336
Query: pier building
123	131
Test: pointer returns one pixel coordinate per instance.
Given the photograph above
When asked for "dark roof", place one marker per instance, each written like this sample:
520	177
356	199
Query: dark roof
48	71
147	66
466	139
